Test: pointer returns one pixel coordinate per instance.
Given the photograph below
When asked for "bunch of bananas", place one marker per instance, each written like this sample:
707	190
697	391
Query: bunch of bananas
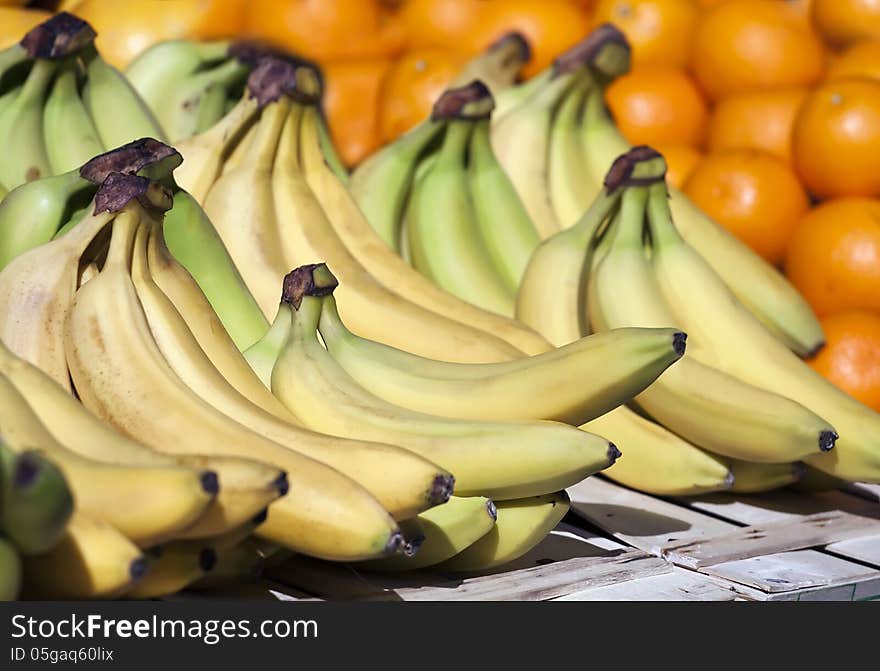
35	506
61	103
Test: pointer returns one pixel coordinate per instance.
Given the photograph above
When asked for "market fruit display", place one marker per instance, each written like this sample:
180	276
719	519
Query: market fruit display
227	338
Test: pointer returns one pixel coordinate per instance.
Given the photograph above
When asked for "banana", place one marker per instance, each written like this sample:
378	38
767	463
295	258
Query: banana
485	457
750	478
148	504
371	309
618	365
205	154
31	214
194	242
118	112
13	59
70	136
813	480
715	410
120	374
240	204
234	565
520	525
10	571
36	500
504	225
178	110
213	106
172	567
36	289
447	529
558	274
239	534
658	461
247	485
21	129
758	285
328	149
499	65
571	191
377	180
262	355
92	561
740	345
164	63
443	234
401	481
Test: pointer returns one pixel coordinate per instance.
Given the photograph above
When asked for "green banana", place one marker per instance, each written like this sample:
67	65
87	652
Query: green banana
193	241
31	214
504	224
119	113
21	129
70	135
36	501
10	571
444	240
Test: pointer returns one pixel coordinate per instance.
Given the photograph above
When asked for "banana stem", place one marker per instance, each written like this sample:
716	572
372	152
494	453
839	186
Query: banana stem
38	80
584	231
455	143
663	230
629	224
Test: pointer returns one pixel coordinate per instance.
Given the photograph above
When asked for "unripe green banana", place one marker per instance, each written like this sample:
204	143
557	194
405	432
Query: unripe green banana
69	132
36	500
10	571
31	214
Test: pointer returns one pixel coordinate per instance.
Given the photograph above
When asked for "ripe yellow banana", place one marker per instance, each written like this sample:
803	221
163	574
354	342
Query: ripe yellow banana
615	366
717	411
36	290
172	567
92	561
148	504
372	310
520	525
739	344
750	478
498	459
402	482
120	374
379	259
447	529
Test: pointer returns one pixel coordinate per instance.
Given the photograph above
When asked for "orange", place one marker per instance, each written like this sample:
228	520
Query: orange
351	102
411	86
326	31
15	23
753	45
681	160
833	257
658	105
843	22
759	120
860	60
127	28
851	357
659	31
438	23
550	27
752	194
836	139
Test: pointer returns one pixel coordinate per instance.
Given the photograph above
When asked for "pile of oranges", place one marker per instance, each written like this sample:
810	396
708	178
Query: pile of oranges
768	111
770	120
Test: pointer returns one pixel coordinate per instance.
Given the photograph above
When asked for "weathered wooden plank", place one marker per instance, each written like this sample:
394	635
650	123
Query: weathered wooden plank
790	571
865	490
775	537
638	519
677	585
543	583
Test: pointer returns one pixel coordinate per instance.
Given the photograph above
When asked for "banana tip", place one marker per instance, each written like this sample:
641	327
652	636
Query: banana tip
210	483
441	489
395	543
207	559
27	467
679	343
827	440
411	547
138	568
260	517
729	480
613	453
281	484
492	508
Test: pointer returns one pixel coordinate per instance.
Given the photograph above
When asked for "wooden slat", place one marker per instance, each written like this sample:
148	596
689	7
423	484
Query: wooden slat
804	532
792	571
677	585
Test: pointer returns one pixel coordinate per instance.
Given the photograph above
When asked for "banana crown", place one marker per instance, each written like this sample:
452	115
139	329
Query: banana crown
58	37
314	279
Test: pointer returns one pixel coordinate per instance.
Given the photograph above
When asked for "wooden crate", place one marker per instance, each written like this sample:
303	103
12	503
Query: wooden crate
619	544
